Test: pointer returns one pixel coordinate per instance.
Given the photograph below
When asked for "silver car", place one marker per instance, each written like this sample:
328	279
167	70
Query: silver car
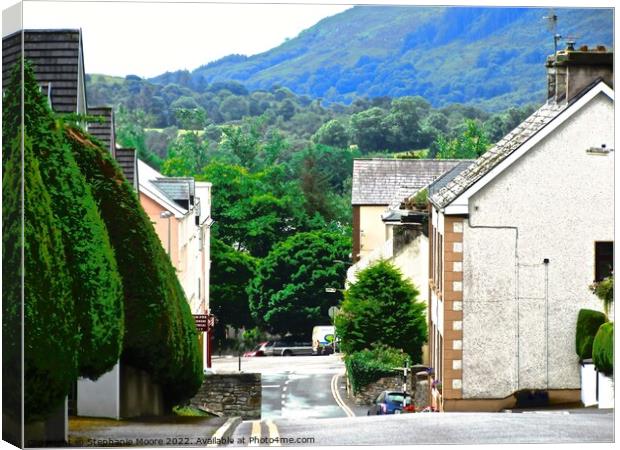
288	348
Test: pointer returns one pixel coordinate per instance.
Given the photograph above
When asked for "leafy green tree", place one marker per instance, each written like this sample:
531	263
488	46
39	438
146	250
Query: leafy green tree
231	272
333	133
32	254
470	145
287	295
130	126
402	125
187	155
368	130
382	307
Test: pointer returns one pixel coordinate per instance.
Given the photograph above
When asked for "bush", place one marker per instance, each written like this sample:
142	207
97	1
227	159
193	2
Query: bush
50	337
161	337
367	366
603	349
381	307
96	284
588	323
604	290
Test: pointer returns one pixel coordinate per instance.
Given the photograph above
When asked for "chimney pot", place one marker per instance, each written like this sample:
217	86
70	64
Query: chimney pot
583	48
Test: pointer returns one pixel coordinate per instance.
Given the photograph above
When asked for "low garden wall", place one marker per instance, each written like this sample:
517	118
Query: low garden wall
368	393
230	395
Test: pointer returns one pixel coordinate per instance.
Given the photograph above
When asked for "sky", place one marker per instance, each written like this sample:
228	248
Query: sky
148	38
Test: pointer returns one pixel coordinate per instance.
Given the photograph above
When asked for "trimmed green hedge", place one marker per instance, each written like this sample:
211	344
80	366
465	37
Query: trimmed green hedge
50	330
367	366
160	335
603	349
96	284
588	323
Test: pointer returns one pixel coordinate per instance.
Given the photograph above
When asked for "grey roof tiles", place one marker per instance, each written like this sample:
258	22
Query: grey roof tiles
380	181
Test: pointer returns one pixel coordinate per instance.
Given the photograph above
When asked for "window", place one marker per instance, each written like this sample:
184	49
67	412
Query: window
603	260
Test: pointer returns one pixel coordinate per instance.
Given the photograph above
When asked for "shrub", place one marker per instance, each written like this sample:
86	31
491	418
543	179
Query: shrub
161	336
50	338
96	284
367	366
588	323
604	290
381	307
603	349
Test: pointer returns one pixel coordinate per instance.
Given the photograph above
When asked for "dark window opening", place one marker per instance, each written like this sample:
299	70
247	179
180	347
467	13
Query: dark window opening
604	260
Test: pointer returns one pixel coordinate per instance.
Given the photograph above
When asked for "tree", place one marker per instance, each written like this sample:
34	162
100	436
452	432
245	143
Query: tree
95	282
231	273
32	248
161	336
470	145
368	130
287	295
382	307
333	133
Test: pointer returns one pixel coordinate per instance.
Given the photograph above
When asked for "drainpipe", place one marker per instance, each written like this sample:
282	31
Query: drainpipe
516	293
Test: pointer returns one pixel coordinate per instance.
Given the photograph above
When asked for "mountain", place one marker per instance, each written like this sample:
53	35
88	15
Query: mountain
491	57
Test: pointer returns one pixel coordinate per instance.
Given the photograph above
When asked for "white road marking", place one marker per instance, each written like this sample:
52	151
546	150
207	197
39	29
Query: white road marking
283	396
271	385
284	388
336	394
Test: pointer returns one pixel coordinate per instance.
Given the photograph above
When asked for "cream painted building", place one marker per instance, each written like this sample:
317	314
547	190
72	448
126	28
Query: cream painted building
516	240
376	184
180	210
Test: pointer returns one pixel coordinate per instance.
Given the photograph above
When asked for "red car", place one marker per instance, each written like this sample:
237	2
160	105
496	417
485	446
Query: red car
259	350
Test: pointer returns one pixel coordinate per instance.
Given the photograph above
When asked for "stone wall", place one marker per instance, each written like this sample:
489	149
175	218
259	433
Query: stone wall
368	393
231	395
417	386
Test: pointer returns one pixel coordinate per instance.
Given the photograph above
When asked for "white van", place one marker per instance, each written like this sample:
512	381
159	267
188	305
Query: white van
323	338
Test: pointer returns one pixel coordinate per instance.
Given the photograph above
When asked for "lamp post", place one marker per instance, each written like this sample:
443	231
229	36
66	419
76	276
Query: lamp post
167	215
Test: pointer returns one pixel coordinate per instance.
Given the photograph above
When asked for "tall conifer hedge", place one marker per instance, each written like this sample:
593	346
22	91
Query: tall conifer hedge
96	284
160	335
50	330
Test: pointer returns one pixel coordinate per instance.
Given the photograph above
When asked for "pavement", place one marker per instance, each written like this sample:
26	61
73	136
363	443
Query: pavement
173	431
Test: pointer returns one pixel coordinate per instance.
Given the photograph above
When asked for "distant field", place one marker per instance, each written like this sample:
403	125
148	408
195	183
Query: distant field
180	132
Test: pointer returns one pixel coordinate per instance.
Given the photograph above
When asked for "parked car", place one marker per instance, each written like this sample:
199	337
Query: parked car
288	348
259	350
391	402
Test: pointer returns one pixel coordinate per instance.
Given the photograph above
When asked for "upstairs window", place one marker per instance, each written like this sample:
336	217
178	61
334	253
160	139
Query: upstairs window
603	260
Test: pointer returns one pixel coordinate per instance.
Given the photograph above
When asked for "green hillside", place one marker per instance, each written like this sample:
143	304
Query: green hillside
491	57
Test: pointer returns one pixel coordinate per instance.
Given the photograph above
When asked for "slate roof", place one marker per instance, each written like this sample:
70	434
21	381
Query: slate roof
57	59
177	194
450	175
179	189
379	181
507	145
104	131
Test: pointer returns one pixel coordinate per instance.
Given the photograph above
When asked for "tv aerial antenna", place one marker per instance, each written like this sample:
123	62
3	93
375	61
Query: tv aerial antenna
552	26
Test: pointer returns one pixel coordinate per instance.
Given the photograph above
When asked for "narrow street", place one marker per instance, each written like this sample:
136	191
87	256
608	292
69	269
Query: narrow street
304	404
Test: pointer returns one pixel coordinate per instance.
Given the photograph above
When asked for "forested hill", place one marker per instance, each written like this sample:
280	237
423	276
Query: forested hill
489	57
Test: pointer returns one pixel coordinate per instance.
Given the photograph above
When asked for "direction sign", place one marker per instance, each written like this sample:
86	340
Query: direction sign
202	321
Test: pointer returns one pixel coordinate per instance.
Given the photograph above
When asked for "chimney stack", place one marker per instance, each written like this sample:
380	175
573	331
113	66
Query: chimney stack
570	71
